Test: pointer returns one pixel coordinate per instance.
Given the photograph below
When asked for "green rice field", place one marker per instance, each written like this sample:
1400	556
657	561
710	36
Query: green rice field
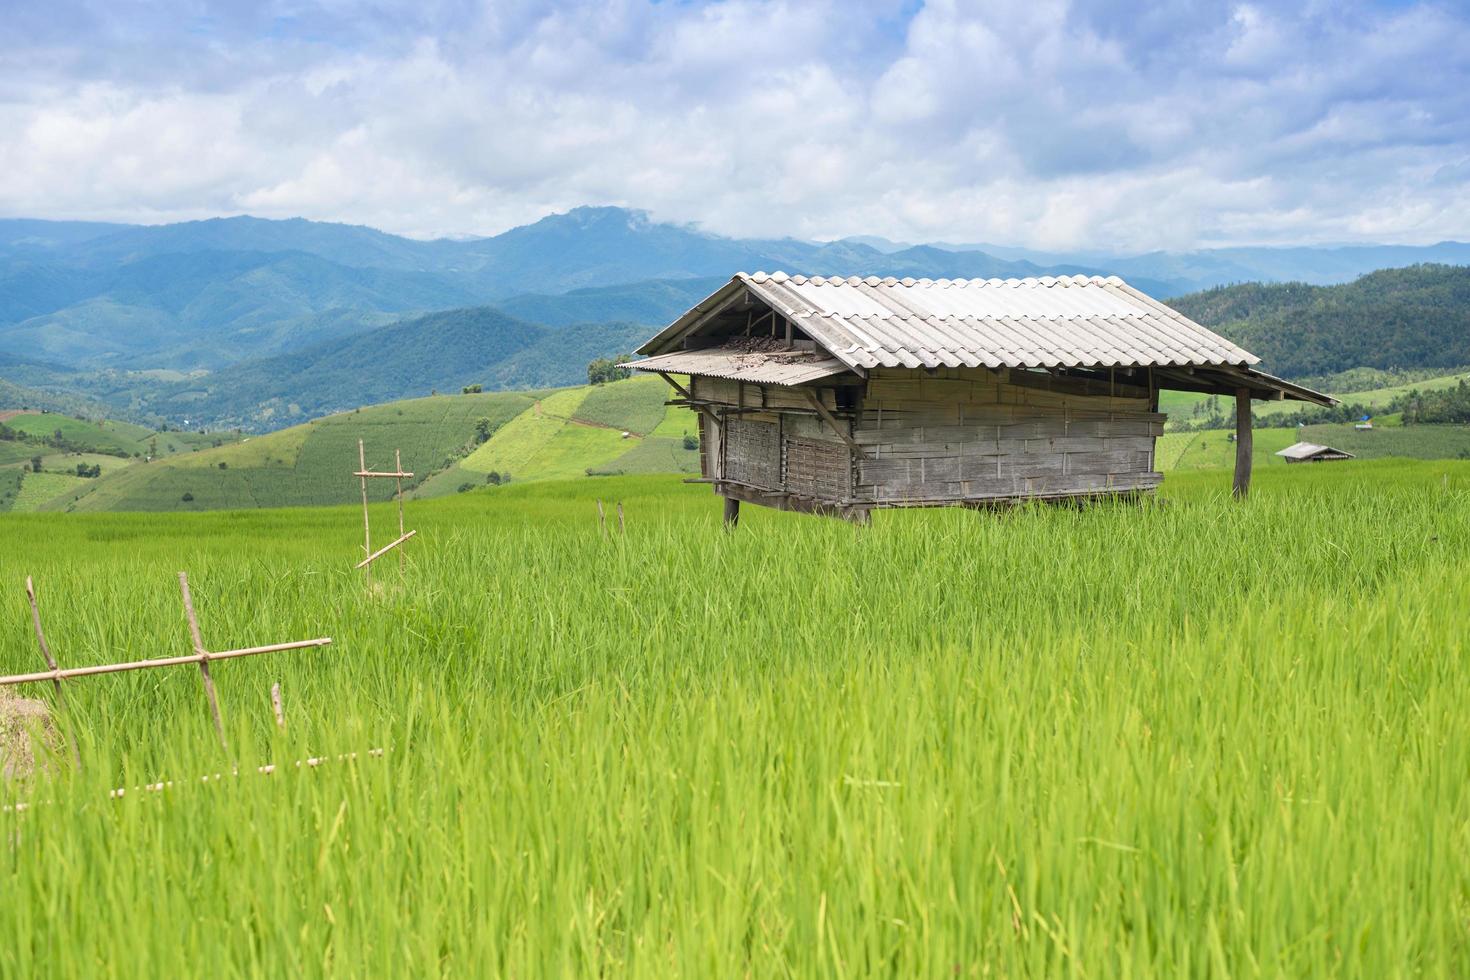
1188	737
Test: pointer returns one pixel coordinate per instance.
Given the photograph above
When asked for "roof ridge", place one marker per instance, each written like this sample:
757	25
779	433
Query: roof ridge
1077	279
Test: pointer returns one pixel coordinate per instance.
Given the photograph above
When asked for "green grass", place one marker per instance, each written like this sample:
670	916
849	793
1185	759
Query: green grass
554	443
1212	448
67	462
634	405
1179	405
15	451
10	480
1115	740
652	455
104	436
38	489
1419	441
306	465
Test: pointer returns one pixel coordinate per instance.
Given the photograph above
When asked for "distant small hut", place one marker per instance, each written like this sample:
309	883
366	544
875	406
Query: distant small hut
841	396
1310	452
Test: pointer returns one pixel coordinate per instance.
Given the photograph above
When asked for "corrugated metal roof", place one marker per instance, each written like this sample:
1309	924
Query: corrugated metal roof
1065	321
760	367
1306	450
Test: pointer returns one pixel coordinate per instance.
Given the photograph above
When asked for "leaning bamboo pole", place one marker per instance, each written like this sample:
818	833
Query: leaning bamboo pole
398	466
367	534
203	656
193	658
384	550
50	661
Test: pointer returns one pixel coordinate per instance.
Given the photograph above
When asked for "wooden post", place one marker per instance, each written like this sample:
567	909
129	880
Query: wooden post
367	535
50	661
398	468
203	656
732	512
1242	443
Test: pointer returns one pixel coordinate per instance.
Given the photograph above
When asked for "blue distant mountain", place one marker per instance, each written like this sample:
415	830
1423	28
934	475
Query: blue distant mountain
242	291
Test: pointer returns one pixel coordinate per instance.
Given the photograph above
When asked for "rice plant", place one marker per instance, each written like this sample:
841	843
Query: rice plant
1185	737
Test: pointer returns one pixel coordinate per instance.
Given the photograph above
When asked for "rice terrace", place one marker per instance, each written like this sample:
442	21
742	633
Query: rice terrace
763	584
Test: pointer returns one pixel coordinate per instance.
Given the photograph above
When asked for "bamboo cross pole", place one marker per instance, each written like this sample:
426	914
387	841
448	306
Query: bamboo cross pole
203	656
193	658
50	660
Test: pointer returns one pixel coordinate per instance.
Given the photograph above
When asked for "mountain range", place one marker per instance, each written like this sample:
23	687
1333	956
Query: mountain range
228	319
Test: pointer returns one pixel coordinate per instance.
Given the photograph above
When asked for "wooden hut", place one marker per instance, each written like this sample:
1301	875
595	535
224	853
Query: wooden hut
841	396
1310	452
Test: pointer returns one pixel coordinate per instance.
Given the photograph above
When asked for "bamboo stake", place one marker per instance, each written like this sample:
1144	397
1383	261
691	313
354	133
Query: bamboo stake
398	465
620	517
50	661
194	658
367	535
276	706
203	656
601	518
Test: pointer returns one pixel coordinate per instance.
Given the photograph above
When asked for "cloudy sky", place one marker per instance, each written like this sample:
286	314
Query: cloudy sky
1099	124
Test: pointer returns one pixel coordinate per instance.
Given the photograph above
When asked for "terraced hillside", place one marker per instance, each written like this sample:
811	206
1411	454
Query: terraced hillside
66	447
622	428
305	465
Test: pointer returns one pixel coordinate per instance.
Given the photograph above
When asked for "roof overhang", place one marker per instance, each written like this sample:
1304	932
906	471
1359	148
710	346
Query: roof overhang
1226	379
743	292
782	367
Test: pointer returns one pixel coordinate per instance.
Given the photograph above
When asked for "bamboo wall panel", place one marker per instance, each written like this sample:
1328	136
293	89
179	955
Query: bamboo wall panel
753	452
818	468
977	435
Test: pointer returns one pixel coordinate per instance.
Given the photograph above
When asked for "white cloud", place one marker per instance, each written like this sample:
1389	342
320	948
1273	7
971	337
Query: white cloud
1044	123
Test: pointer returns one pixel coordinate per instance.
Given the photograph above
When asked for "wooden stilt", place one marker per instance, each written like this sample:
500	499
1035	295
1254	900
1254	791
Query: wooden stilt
203	656
732	512
1242	484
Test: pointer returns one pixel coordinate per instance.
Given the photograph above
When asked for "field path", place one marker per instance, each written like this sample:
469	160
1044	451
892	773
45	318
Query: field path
10	413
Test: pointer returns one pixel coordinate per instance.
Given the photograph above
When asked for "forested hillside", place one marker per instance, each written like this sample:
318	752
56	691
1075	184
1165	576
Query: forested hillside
440	351
1418	317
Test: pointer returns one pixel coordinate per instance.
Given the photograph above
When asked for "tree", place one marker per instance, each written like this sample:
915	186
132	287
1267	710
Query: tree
691	442
471	389
606	369
187	497
35	464
483	428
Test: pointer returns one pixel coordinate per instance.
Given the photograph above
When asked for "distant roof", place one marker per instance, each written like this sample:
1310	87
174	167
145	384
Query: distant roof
1048	322
742	364
1306	450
